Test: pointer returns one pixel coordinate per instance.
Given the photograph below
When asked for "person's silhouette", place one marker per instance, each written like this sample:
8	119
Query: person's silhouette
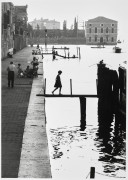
58	83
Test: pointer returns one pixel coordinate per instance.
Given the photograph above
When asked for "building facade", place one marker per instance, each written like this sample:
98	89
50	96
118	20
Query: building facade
20	37
7	28
45	24
101	31
13	28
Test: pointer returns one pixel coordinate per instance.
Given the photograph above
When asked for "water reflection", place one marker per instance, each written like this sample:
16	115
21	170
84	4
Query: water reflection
110	142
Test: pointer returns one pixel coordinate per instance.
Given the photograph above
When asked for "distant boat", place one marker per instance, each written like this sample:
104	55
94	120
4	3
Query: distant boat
117	49
118	41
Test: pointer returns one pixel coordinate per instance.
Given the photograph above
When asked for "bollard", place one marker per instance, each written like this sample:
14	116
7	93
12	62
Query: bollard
92	172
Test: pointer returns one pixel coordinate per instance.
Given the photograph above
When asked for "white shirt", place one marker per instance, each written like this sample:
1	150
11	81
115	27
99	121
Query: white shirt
12	67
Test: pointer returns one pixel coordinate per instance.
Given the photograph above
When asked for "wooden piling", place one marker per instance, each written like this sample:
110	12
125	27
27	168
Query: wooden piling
83	112
92	172
71	86
79	54
77	51
45	86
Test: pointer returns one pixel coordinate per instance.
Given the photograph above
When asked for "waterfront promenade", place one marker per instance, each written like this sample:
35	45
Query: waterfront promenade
24	144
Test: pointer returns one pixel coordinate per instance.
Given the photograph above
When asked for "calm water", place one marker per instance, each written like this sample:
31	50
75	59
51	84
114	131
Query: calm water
73	152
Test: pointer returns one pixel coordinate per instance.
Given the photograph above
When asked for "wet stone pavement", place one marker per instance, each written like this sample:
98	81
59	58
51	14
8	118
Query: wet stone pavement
20	107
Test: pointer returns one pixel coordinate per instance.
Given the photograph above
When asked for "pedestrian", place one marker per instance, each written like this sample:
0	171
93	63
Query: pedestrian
58	83
11	73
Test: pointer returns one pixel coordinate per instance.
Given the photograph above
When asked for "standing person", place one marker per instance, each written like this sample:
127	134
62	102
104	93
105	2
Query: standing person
11	73
58	83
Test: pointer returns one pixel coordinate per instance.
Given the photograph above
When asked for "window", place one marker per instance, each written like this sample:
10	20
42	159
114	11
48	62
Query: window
90	30
90	24
95	29
107	30
112	30
112	24
101	30
101	25
101	40
95	38
112	40
89	39
107	38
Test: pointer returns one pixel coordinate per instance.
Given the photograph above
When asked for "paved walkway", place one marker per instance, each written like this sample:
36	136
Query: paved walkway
19	118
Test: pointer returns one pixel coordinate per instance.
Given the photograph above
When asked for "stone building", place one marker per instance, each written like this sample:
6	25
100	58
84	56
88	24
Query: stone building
7	28
100	31
45	24
13	28
20	38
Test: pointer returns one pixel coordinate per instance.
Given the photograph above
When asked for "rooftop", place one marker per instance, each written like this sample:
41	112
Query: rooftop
101	19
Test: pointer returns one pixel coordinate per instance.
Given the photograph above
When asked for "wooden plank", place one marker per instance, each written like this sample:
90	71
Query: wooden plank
69	95
62	48
45	53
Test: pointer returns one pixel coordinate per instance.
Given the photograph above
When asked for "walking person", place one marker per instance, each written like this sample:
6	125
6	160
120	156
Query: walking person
11	73
58	83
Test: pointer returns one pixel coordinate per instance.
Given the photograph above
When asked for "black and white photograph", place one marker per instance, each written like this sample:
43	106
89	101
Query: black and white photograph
63	89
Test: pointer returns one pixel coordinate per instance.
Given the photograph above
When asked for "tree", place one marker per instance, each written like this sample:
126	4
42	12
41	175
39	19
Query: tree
65	28
75	27
29	30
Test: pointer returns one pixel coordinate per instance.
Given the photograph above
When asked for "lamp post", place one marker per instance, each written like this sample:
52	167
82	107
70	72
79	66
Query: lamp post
45	39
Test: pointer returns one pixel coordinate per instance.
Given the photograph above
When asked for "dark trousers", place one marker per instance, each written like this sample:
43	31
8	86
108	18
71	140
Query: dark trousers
11	78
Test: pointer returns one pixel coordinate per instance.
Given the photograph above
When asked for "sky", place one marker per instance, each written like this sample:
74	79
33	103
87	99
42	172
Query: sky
61	10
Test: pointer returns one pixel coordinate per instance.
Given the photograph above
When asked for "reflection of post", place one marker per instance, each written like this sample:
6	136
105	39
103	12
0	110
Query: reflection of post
83	112
45	39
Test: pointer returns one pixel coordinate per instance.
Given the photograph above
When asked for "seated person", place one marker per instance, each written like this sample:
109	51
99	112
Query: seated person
28	72
20	71
34	62
9	54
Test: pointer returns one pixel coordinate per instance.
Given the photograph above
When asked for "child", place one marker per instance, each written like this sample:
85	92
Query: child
58	83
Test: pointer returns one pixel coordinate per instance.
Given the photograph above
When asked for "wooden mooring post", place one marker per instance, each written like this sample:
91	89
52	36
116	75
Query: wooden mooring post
83	113
45	86
92	172
71	86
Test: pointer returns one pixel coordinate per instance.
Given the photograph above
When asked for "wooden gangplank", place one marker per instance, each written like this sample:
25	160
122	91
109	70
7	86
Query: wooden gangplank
46	53
66	56
69	95
65	48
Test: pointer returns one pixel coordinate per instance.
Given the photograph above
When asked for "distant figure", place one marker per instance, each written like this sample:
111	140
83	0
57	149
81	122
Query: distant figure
101	62
9	54
11	72
58	83
53	52
35	62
